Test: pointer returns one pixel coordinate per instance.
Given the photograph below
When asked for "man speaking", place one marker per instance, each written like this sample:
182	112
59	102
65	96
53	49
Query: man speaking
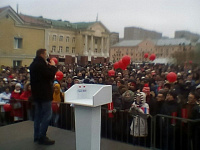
42	74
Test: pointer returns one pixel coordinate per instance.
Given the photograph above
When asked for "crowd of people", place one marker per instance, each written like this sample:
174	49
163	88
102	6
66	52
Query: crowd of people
141	90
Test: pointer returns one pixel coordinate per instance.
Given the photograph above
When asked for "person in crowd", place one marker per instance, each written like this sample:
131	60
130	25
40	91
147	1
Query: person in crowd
132	79
69	82
197	90
140	111
120	83
4	98
131	85
2	85
5	95
195	114
16	103
186	112
167	86
160	100
170	108
63	87
42	74
27	104
58	97
16	93
100	80
127	101
156	109
27	92
79	75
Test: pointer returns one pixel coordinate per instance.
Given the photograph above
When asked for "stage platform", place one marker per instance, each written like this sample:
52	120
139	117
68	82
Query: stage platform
19	136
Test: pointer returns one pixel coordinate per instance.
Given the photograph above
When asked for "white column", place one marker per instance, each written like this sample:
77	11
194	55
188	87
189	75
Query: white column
86	45
107	47
90	51
102	47
92	42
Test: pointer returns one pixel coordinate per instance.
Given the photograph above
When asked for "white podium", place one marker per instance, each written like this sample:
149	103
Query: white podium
88	99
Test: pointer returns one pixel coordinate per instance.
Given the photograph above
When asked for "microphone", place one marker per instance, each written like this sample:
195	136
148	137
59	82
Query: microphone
48	60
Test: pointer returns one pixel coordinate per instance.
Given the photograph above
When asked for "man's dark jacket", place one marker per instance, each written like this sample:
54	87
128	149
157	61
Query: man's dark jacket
42	76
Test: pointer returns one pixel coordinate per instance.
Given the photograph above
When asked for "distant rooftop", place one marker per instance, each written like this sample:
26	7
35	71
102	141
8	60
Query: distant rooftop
40	21
4	8
160	42
82	25
127	43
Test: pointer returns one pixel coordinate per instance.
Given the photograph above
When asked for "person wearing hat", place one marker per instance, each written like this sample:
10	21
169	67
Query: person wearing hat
42	74
16	103
198	92
16	92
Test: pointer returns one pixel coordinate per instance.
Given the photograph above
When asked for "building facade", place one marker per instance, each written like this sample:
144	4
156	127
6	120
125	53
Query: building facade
187	35
134	33
114	38
22	35
162	48
18	41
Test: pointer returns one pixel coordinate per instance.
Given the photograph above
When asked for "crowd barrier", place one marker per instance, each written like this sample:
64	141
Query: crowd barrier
163	132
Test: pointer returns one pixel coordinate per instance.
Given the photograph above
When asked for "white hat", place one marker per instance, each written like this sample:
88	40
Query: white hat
18	85
198	86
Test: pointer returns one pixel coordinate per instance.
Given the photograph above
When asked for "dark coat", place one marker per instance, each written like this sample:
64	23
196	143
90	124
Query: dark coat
42	76
169	107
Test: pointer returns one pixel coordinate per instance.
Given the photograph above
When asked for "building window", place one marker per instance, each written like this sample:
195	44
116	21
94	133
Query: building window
54	38
95	50
73	40
73	49
61	38
67	39
67	49
60	49
17	43
167	52
53	49
17	63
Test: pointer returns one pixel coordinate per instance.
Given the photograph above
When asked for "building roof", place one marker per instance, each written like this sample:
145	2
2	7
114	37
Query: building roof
4	8
160	42
198	41
32	20
172	41
128	43
46	22
55	23
82	25
40	21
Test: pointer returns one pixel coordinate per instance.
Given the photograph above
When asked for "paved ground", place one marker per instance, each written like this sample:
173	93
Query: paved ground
19	136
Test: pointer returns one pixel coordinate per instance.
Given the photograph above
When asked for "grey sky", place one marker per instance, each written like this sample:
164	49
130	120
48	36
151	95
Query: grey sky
165	16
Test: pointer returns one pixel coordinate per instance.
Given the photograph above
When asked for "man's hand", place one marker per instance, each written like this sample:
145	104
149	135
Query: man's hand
52	63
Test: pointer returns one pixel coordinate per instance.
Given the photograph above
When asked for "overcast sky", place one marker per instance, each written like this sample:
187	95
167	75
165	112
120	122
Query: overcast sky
165	16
